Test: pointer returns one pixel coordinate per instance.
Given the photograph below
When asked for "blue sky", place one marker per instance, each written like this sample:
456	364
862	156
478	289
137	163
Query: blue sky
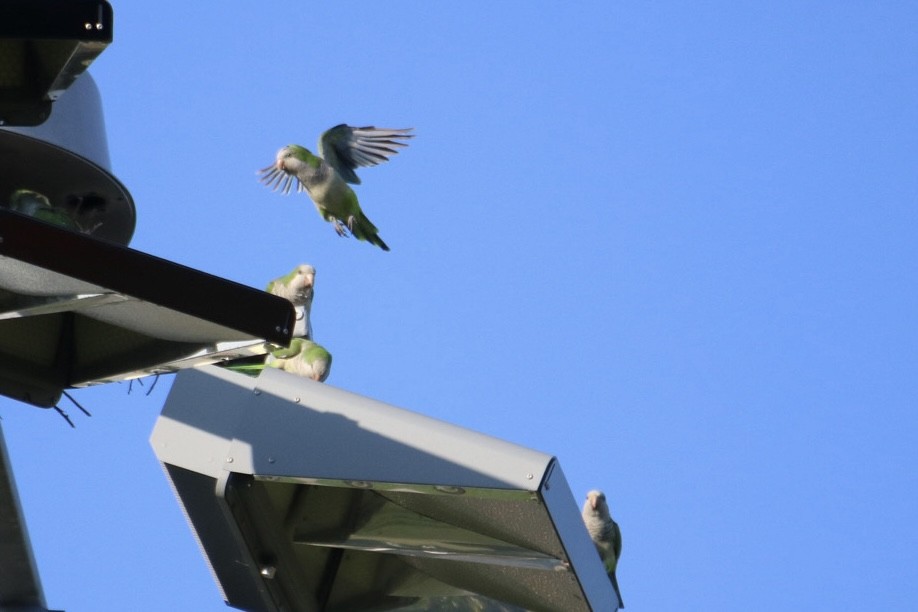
670	243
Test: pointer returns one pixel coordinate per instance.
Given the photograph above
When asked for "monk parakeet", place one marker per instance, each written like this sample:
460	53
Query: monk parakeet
37	206
304	358
605	534
299	287
325	176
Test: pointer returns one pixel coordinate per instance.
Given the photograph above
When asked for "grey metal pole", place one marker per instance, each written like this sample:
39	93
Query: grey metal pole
20	587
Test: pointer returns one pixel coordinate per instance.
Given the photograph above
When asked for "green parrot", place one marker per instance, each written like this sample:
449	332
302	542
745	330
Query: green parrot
304	358
37	206
299	287
605	534
325	176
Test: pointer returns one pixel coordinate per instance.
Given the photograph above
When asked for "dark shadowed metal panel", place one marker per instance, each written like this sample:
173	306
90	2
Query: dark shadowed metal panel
44	46
19	583
75	311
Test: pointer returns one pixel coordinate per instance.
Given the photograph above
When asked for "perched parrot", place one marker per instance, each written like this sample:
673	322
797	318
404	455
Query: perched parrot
304	358
325	176
605	534
299	287
37	206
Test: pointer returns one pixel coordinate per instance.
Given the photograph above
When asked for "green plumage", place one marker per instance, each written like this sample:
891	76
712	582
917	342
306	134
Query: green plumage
325	177
304	358
37	206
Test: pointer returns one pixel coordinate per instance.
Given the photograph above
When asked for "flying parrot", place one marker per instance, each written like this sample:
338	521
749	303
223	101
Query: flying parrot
299	287
605	534
325	176
37	206
304	358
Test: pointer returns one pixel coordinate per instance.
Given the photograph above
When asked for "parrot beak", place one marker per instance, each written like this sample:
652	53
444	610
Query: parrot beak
593	501
279	164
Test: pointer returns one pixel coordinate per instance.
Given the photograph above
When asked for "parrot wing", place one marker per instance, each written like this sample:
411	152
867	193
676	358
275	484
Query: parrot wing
345	148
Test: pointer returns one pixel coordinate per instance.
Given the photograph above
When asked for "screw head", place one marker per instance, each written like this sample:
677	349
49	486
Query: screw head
268	571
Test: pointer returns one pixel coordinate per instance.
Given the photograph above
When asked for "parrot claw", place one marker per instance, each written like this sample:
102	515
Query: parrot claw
339	228
350	223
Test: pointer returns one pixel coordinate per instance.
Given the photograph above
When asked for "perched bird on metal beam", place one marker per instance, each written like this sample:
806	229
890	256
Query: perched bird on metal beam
303	358
37	206
299	287
605	534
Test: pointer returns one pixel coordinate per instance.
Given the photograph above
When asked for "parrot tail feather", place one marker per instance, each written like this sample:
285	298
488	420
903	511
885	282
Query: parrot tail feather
375	239
363	229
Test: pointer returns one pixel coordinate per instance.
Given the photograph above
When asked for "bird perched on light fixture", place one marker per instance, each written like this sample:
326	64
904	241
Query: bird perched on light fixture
304	358
37	206
298	286
605	534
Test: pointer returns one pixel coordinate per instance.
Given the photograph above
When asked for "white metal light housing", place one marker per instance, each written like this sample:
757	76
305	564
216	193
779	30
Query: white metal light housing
307	497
